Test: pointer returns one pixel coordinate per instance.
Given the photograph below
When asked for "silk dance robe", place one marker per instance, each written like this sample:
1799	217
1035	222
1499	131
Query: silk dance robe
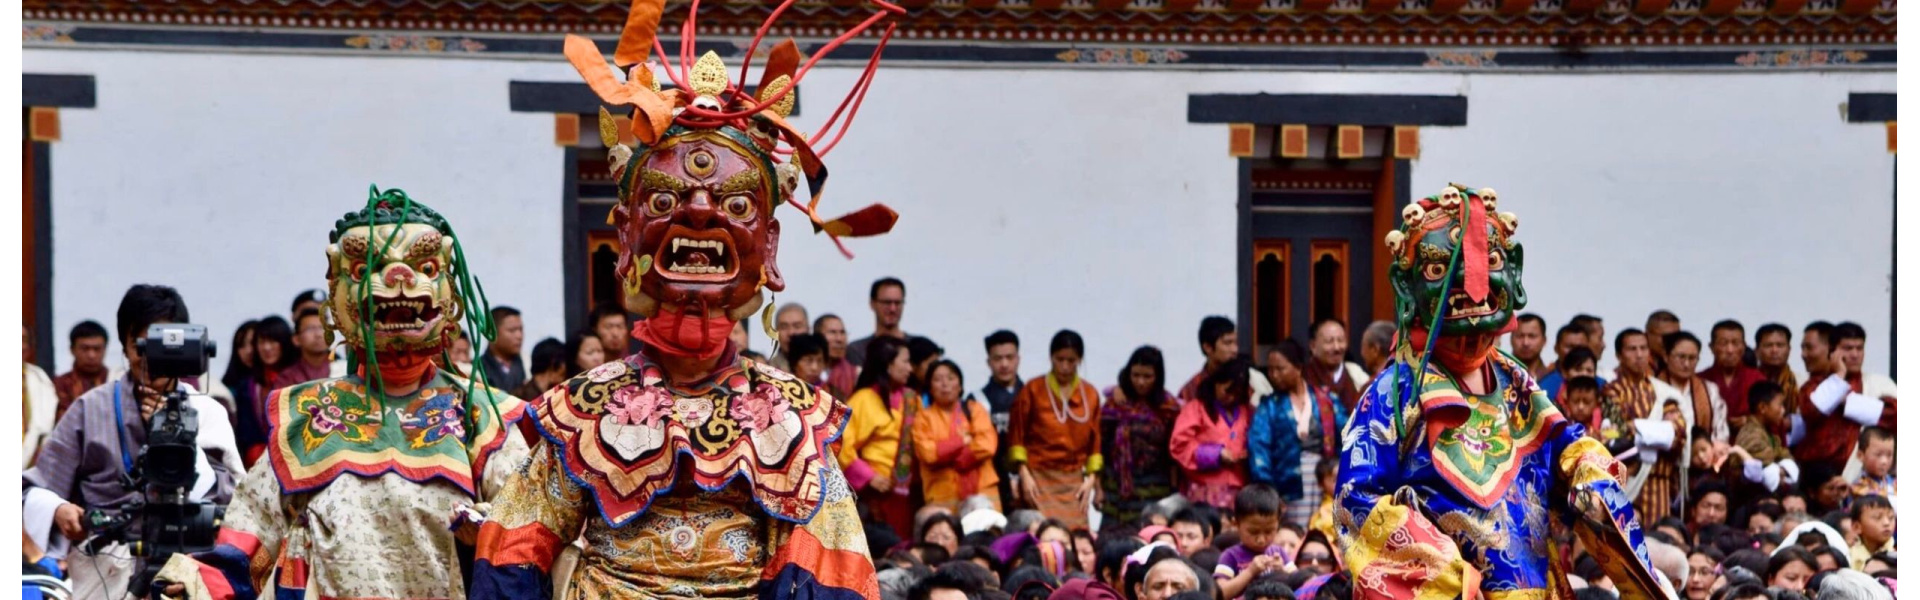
721	489
356	497
1456	494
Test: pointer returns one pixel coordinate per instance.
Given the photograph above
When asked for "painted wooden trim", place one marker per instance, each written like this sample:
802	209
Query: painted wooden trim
1863	107
64	91
577	98
1328	109
1284	250
43	124
1406	142
566	129
1240	140
1350	141
1293	141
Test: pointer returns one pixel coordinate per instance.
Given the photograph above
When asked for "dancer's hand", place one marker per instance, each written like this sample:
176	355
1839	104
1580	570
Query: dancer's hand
881	483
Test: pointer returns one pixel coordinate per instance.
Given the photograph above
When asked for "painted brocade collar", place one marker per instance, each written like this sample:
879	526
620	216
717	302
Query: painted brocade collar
1480	442
330	427
623	432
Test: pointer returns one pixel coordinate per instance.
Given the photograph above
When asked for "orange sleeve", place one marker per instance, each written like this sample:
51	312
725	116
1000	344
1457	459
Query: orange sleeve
927	436
1017	424
986	441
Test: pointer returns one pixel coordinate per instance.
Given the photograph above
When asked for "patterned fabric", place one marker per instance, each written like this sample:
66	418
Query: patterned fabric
1135	437
1202	443
625	434
1044	440
1789	383
955	449
1280	457
1481	472
71	385
1733	384
1632	398
1057	490
373	536
325	428
691	543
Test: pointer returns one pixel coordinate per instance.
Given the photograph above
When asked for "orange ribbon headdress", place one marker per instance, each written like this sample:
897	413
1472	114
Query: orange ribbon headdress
705	98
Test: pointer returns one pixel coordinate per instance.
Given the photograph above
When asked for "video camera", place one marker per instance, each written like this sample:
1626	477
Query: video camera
165	520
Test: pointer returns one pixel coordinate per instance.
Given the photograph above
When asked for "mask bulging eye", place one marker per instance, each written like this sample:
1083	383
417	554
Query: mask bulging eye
430	269
739	208
1496	261
660	203
1434	271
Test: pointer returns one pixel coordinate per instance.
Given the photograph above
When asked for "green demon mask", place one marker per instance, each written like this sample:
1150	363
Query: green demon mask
1455	253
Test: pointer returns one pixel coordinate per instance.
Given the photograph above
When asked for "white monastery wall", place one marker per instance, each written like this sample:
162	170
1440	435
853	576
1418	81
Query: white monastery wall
1030	199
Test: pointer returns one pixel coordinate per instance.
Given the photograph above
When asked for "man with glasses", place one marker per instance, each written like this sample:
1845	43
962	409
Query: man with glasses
888	297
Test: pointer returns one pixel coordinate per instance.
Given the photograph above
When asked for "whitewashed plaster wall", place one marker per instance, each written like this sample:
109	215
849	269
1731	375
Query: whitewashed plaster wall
1030	199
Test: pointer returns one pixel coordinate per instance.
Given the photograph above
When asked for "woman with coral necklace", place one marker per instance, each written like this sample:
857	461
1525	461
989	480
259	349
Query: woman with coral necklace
1055	436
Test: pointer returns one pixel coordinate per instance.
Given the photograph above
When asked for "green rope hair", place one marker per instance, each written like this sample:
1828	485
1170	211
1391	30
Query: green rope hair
476	314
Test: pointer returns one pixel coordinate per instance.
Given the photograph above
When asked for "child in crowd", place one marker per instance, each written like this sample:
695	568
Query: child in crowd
1580	402
1873	520
1322	521
1194	531
1876	463
1257	509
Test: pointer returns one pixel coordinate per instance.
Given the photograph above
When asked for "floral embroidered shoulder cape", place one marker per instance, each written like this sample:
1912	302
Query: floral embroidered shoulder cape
322	429
621	432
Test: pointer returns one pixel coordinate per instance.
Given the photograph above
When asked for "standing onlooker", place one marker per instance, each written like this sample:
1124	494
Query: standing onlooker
1730	372
1646	413
1773	345
85	462
313	299
1294	429
1056	438
1596	331
808	355
1003	359
502	363
1709	409
1569	337
1329	369
1659	324
1136	430
273	352
40	401
888	298
238	380
789	321
1816	350
609	322
1210	436
88	343
953	439
875	450
841	371
1529	337
1219	343
585	351
1841	403
549	369
1376	346
315	359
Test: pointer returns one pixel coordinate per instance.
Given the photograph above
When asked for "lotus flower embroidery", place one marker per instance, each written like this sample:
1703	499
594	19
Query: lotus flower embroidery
757	410
640	405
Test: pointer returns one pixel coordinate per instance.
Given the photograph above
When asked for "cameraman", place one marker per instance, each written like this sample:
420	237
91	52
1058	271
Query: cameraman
86	461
